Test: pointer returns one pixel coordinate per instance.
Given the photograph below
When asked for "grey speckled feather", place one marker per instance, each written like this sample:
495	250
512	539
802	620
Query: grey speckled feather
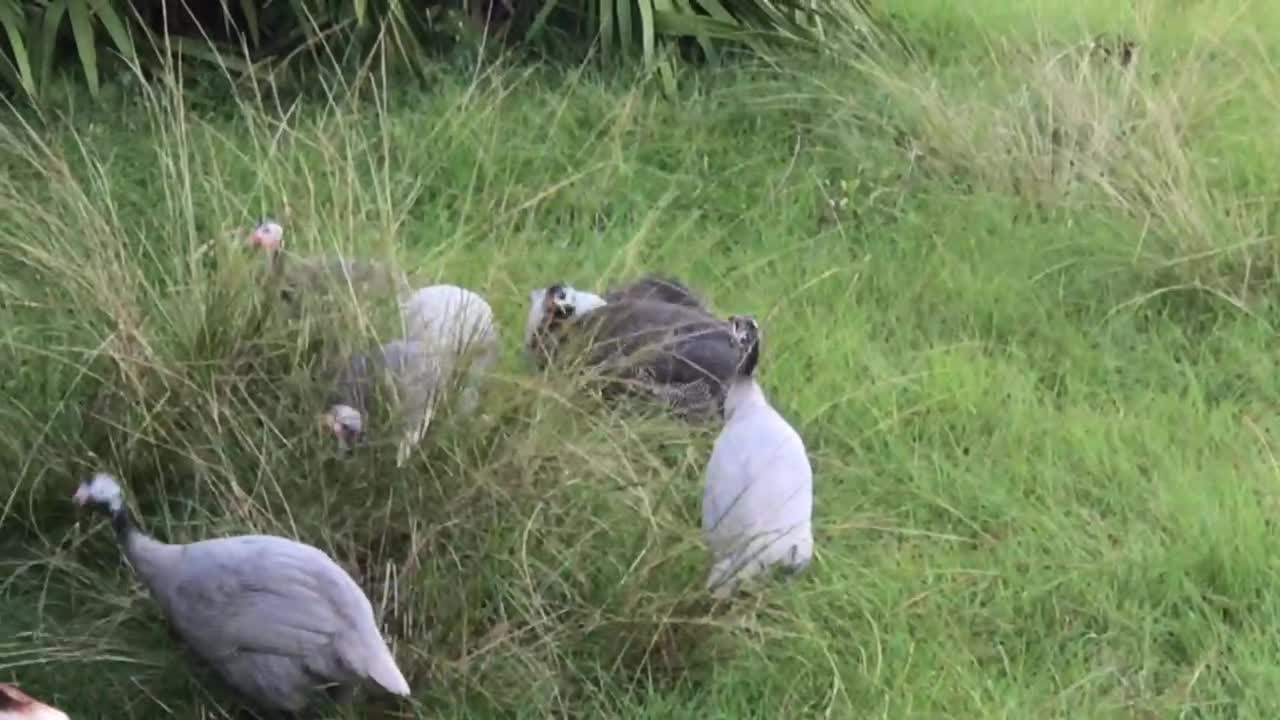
402	375
660	289
295	278
299	276
682	353
276	618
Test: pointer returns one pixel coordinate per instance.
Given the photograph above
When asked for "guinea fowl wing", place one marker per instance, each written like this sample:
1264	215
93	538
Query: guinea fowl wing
265	595
702	351
661	289
635	332
417	377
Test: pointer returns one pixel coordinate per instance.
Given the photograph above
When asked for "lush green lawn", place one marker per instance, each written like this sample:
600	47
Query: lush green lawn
1032	355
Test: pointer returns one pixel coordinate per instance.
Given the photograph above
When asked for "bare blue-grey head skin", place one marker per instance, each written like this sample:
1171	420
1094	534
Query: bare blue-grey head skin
674	352
757	504
400	379
275	618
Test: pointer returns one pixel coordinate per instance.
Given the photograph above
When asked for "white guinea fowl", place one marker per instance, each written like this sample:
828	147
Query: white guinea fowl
17	705
276	618
458	329
757	505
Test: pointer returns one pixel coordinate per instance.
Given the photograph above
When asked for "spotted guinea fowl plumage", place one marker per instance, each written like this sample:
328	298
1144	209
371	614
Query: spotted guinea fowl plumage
677	353
277	619
297	276
400	376
449	331
656	288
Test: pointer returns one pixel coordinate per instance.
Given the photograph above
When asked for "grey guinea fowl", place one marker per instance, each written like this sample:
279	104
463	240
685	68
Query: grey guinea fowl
757	505
276	618
17	705
401	375
297	275
676	353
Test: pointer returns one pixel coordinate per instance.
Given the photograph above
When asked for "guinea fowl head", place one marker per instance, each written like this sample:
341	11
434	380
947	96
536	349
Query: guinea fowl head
268	236
555	304
744	333
346	423
17	705
102	492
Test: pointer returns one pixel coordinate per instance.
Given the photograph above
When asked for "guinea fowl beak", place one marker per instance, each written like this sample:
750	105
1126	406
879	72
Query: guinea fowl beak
80	497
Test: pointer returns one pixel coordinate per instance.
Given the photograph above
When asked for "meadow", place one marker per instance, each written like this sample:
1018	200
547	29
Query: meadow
1015	295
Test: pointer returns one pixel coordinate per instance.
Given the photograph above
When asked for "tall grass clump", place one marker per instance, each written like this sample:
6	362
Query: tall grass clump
535	548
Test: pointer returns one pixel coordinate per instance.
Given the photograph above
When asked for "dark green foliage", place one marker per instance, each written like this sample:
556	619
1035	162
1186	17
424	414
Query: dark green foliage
255	37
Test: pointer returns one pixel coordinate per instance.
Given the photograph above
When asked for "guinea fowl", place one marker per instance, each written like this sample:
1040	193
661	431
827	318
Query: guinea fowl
17	705
458	328
676	353
275	618
297	275
446	328
656	288
757	505
550	310
401	375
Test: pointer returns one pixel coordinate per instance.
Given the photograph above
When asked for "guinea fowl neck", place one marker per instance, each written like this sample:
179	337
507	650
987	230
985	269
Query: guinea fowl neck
743	392
743	389
275	260
146	554
122	523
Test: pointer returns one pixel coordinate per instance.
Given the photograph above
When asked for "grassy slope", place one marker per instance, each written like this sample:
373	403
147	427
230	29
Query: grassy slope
1046	487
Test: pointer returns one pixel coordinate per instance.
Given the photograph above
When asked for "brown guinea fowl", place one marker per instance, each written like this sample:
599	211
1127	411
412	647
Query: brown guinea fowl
298	275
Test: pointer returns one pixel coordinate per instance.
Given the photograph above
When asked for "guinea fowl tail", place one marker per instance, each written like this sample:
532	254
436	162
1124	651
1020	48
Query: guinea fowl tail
383	671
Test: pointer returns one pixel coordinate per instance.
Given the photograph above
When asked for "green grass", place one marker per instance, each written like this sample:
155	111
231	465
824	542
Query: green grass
1032	355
